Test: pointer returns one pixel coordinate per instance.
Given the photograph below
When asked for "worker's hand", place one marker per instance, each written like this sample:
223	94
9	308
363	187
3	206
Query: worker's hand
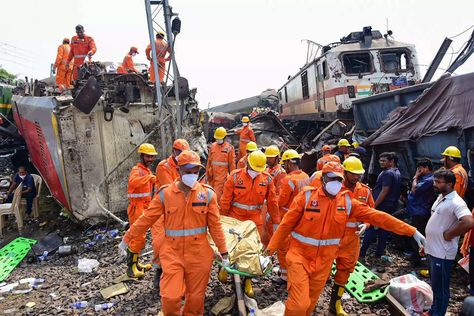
225	261
420	239
89	54
123	248
362	229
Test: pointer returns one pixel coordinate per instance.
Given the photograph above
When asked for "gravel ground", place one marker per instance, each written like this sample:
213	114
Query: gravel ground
65	285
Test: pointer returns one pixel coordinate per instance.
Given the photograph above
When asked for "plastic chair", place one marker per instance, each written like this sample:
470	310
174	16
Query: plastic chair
12	208
38	183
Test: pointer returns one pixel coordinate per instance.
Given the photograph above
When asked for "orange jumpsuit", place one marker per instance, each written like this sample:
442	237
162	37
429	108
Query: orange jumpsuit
140	188
246	136
316	224
162	48
461	179
316	179
186	255
349	248
291	185
127	66
242	162
80	47
220	162
278	173
325	159
63	75
243	198
166	173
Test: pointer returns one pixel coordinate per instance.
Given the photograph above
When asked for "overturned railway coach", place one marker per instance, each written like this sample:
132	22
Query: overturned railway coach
361	64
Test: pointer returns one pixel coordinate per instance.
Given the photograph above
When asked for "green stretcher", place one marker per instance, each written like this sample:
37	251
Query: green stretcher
12	254
231	270
355	285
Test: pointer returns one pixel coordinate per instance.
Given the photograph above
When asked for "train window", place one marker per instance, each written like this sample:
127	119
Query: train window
357	63
394	60
325	70
304	85
279	95
286	95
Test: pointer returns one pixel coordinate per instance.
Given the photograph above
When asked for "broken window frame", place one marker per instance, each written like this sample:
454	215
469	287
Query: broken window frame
304	85
407	52
325	70
344	70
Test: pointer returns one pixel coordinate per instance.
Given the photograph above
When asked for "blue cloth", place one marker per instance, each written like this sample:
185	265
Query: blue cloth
388	178
28	182
420	201
440	274
369	237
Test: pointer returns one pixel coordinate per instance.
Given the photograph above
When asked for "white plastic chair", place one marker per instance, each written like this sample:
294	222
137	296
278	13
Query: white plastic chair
38	183
12	208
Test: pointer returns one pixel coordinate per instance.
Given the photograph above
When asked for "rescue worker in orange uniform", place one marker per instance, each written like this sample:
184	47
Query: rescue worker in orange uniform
291	185
326	157
166	173
452	161
250	147
246	135
63	75
188	209
316	222
140	190
82	46
343	149
349	247
162	49
246	190
275	169
220	162
128	66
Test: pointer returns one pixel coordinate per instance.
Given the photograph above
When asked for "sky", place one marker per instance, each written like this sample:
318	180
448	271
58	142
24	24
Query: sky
228	50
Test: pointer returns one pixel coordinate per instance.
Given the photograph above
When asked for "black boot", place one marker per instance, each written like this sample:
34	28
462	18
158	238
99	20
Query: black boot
157	278
335	305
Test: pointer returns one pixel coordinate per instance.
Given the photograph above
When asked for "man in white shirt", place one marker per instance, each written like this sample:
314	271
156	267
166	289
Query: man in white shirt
450	218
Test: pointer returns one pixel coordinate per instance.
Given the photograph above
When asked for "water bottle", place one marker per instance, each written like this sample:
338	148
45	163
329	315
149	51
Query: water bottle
113	233
43	257
252	312
79	305
66	250
32	281
386	258
101	307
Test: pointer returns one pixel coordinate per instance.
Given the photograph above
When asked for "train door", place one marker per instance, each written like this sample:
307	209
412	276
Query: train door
320	103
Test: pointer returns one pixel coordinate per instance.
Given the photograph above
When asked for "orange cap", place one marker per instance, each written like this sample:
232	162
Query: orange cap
326	148
189	159
334	168
134	49
181	144
66	40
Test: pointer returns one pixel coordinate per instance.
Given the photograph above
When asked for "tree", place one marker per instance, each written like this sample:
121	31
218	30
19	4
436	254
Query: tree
6	76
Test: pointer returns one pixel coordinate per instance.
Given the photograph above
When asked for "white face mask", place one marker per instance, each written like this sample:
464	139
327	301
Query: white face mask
252	173
189	179
244	124
23	177
333	187
220	141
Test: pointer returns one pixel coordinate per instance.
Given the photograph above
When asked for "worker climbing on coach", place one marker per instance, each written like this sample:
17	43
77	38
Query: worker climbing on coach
246	190
250	148
349	247
220	162
246	135
326	157
343	149
128	66
291	185
188	209
140	190
316	223
452	161
163	54
82	46
63	73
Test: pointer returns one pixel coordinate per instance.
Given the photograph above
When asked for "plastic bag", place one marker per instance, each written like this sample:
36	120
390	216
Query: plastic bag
412	293
87	265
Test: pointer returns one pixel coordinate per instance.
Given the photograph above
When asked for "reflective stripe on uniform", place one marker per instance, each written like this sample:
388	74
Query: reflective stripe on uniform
307	195
348	204
209	195
292	185
284	208
352	224
80	56
161	194
315	242
139	195
246	206
245	140
185	232
219	163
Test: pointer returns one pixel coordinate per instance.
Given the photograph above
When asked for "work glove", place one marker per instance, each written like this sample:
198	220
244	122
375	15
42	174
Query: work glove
420	239
362	229
225	262
122	248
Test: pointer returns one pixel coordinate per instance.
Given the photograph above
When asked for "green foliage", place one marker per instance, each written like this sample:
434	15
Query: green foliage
5	75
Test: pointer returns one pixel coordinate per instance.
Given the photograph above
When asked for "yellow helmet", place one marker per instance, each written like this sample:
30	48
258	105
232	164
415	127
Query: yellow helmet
245	119
251	146
355	144
353	165
220	133
343	142
257	161
272	151
147	149
288	155
452	151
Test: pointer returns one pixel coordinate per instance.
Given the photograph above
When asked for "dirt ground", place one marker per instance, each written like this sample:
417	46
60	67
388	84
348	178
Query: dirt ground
65	285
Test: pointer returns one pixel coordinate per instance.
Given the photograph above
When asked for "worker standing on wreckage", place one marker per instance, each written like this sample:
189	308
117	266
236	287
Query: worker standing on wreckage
188	209
82	46
317	221
246	135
